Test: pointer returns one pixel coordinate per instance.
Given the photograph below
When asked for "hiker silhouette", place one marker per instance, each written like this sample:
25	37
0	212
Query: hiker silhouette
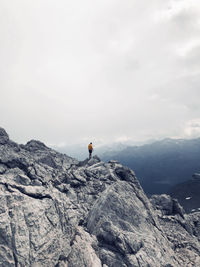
90	149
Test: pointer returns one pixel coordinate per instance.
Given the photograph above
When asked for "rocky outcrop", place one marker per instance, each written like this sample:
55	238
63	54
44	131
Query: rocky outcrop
57	211
183	231
166	205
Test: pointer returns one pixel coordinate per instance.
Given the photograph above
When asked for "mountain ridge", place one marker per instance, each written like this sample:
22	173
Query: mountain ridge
60	212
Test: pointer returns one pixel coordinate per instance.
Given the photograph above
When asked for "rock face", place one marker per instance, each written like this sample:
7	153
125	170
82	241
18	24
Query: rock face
56	211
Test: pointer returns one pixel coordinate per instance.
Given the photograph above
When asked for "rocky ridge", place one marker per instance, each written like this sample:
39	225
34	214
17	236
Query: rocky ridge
56	211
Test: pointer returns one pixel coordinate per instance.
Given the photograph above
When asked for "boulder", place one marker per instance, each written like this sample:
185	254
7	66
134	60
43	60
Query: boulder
166	204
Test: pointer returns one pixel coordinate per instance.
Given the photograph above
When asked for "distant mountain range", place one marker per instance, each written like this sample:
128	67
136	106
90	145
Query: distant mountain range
162	164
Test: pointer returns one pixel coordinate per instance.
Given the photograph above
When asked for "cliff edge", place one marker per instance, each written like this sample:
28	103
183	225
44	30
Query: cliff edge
56	211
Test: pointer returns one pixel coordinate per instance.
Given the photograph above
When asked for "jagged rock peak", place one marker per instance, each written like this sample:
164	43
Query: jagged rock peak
4	137
34	145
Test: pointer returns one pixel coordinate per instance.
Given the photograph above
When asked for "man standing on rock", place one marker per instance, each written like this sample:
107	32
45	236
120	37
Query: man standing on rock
90	149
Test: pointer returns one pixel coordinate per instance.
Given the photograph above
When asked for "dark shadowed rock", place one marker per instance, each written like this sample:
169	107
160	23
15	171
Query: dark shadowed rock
58	212
4	138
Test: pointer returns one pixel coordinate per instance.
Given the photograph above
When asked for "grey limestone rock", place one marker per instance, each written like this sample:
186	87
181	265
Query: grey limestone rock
125	223
4	138
83	250
58	212
166	204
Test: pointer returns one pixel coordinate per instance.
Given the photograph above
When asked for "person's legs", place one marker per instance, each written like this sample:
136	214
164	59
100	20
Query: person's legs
90	154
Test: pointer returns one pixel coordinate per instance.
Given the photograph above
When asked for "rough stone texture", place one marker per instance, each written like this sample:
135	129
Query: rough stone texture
183	234
4	138
124	223
56	211
166	205
82	250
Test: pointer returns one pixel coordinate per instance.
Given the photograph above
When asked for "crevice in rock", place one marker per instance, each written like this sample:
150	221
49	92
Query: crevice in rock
138	262
151	219
72	240
15	259
61	259
135	250
74	185
50	221
15	163
7	187
14	253
119	256
105	244
23	191
82	223
33	177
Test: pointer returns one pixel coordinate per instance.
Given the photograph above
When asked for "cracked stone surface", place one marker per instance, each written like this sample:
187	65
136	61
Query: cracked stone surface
56	211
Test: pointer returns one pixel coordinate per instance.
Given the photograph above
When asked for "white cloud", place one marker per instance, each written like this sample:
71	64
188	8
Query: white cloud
98	70
192	128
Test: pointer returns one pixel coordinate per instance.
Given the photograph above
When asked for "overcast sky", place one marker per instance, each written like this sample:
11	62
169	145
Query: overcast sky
99	70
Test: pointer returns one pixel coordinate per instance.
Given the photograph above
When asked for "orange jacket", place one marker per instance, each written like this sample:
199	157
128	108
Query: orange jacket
90	147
